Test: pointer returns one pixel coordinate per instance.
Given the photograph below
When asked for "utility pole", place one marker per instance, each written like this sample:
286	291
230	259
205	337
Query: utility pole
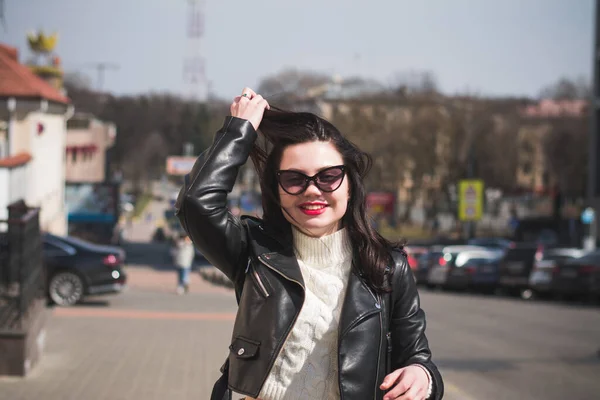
593	192
101	68
470	133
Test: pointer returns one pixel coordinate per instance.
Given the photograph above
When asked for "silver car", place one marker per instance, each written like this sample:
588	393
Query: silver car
454	257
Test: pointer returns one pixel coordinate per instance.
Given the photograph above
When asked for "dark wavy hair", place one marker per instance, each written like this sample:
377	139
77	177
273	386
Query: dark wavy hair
280	129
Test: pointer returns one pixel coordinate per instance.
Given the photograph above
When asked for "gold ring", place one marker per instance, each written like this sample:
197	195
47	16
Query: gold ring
245	95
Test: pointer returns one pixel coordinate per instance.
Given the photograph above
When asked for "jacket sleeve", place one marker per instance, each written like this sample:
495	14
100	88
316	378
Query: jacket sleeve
407	325
202	202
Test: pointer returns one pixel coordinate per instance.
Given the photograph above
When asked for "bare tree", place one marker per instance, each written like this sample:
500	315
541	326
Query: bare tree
77	80
565	149
414	82
567	89
290	82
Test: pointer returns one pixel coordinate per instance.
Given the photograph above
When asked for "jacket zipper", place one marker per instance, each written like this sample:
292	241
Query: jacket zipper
288	333
388	365
358	321
379	352
378	301
266	264
261	285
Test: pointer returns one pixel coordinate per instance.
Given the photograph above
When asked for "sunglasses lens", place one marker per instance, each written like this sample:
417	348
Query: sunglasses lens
330	179
292	182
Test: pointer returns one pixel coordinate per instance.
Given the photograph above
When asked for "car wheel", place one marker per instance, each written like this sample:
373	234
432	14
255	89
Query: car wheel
527	294
65	289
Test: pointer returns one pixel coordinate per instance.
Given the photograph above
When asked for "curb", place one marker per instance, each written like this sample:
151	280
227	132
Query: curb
216	277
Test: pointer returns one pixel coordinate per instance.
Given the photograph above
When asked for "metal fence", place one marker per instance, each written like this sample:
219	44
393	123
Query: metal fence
22	277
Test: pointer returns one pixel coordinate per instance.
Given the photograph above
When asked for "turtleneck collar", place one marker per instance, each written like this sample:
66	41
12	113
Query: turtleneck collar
324	251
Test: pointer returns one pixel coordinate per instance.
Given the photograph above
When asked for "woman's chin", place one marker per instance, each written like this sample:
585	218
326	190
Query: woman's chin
317	228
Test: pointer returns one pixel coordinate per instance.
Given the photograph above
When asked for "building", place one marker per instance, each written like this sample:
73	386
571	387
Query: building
33	117
91	193
89	142
539	121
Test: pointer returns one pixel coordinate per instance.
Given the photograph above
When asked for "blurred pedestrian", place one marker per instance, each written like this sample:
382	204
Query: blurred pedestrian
328	308
183	253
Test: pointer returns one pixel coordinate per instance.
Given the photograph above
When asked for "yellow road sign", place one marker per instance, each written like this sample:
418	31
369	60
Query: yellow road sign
470	200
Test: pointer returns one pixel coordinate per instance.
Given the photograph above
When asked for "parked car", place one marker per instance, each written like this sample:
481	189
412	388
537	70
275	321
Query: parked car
492	242
546	269
579	277
486	276
425	261
76	268
454	257
413	253
467	265
515	268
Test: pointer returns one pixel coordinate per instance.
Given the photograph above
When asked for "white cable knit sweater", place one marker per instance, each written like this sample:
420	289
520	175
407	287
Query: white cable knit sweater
307	367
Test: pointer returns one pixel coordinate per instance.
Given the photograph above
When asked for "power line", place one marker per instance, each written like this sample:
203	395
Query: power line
101	68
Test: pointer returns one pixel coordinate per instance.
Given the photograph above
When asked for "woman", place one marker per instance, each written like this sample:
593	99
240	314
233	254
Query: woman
328	309
183	254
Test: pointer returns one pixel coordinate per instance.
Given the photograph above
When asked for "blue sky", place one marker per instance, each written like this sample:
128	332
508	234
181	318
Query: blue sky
492	47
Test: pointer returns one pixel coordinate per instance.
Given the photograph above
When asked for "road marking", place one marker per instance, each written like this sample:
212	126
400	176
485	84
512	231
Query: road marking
456	392
142	314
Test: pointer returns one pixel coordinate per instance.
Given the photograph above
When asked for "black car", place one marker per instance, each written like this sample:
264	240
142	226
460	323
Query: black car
492	243
546	271
76	268
579	277
515	267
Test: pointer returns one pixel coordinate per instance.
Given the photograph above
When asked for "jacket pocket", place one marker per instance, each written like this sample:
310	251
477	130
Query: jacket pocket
244	348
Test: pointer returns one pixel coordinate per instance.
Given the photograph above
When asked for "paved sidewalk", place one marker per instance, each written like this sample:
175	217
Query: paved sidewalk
145	343
139	345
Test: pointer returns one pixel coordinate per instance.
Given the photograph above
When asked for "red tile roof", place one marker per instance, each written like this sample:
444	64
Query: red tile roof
556	108
17	80
15	161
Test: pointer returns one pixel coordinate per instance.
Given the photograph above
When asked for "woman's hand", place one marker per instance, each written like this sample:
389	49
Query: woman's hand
249	106
409	383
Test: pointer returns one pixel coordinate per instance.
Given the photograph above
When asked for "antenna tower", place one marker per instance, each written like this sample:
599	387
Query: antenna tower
194	76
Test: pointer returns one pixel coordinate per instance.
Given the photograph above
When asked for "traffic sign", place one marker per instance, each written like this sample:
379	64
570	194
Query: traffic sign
470	200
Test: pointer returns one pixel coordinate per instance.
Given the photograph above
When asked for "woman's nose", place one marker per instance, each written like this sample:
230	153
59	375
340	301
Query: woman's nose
312	189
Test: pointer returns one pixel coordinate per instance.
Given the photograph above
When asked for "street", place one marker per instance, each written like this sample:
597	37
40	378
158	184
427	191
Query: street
149	343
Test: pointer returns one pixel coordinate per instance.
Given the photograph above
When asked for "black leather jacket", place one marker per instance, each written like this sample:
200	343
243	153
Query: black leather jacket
378	333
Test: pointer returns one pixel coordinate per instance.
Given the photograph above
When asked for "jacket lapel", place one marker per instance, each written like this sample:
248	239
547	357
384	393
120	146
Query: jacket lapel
274	249
359	302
